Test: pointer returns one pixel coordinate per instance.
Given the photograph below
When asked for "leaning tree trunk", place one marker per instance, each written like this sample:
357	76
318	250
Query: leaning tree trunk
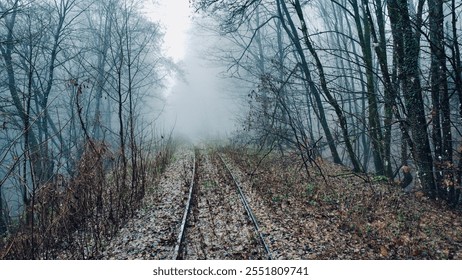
332	101
312	89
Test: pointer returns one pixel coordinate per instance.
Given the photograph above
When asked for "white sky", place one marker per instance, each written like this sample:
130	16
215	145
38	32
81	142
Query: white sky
196	107
174	15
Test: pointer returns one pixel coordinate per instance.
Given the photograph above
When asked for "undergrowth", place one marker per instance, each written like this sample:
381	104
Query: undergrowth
346	215
73	218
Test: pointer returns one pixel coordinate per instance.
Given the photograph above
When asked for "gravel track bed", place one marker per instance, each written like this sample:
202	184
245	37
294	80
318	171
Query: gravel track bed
218	227
287	236
153	231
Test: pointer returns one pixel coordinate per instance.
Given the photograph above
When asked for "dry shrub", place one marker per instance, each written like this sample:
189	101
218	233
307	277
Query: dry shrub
61	208
73	218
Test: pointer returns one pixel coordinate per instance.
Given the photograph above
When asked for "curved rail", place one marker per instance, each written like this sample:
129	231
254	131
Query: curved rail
180	238
248	209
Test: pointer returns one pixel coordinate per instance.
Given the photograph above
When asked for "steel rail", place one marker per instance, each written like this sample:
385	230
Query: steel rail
181	235
247	209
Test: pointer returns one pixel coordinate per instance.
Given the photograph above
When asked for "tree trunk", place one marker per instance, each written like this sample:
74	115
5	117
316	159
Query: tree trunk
373	117
2	217
457	66
406	47
439	88
292	33
101	79
36	156
339	112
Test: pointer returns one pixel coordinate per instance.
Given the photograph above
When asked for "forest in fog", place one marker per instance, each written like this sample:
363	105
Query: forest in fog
75	77
374	85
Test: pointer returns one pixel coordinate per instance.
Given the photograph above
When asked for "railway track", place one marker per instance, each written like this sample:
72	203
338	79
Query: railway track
180	239
218	222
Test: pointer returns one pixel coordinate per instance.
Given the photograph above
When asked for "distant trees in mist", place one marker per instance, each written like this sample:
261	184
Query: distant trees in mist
373	84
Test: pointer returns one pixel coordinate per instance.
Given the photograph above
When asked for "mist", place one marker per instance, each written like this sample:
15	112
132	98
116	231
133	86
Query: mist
200	104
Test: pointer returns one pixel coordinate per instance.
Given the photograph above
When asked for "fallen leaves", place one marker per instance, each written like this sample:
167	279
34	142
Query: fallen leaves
383	251
300	217
349	217
219	222
152	233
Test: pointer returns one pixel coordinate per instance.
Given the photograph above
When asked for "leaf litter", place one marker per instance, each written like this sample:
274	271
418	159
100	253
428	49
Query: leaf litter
152	232
346	216
219	227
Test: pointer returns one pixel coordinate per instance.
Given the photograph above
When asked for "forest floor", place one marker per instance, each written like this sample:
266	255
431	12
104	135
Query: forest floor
332	213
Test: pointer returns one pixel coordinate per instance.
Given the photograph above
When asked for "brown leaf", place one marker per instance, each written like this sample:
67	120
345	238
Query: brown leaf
383	251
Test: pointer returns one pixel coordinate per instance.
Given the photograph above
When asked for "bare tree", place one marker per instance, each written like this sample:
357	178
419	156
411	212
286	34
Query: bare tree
406	45
63	61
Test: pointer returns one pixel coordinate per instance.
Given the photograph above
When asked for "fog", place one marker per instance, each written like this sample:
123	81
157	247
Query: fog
200	104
